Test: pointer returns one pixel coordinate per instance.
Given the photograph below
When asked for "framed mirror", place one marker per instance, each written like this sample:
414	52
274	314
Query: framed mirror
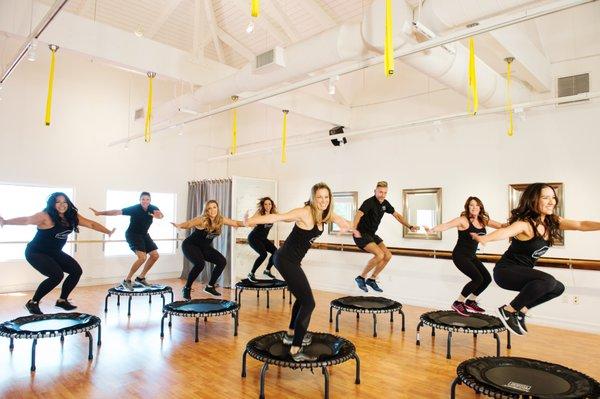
514	195
345	204
422	207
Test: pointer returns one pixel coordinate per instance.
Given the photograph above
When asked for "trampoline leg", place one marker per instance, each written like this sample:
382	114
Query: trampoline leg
283	290
418	332
90	345
433	331
235	324
497	338
62	339
508	346
172	297
118	300
106	303
337	321
163	299
263	374
205	319
11	345
197	322
326	374
267	299
331	314
357	379
402	314
162	325
374	325
149	298
453	388
357	315
236	294
33	345
257	293
170	320
449	345
475	335
391	317
244	363
290	301
99	335
239	301
129	307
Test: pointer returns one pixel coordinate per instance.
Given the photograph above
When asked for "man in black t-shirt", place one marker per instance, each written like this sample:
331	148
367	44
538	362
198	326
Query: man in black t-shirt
367	221
140	242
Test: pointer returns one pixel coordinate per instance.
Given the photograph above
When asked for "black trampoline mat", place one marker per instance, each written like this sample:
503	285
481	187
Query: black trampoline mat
205	306
464	321
524	380
141	288
366	302
52	325
271	283
326	346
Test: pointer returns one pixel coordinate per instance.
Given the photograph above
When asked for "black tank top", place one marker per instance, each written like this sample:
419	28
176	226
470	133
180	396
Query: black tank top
524	253
201	237
465	244
50	240
261	231
298	243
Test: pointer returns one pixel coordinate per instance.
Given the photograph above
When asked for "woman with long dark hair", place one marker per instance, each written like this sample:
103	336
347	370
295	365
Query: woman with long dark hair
258	241
473	219
197	248
533	229
54	224
309	221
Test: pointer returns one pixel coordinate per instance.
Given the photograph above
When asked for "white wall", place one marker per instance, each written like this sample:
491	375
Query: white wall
468	157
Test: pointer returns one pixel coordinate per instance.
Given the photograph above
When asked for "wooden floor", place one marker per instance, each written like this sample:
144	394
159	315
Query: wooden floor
134	362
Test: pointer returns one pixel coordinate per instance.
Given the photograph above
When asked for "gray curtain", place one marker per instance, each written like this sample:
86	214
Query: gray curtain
198	193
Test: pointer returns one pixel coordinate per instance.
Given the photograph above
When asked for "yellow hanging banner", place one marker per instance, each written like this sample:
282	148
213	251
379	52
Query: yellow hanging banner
473	97
53	49
284	137
255	8
509	107
233	148
388	50
147	133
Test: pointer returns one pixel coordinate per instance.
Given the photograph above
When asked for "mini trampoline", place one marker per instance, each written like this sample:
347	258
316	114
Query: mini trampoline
200	308
270	349
48	326
258	286
365	304
517	377
451	321
138	290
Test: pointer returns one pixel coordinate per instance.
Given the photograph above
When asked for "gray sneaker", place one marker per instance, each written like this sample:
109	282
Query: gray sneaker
288	339
268	273
142	281
300	356
127	284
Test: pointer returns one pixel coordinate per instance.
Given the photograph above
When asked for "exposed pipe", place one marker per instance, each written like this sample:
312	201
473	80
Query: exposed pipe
426	121
482	27
35	34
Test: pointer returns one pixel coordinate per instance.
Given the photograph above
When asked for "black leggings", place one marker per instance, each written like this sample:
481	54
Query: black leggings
53	265
262	246
535	287
305	302
198	255
474	269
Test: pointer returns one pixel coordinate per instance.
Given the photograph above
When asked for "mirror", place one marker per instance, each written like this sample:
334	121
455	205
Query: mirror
422	207
514	195
344	204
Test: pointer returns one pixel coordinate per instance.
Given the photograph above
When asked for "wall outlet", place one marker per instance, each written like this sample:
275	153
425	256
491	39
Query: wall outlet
575	300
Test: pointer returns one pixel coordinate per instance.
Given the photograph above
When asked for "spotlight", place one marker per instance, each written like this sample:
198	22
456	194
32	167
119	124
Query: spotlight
250	27
32	52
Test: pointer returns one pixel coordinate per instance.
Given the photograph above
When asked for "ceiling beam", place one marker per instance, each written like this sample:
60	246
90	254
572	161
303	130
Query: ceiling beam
317	11
234	44
213	27
273	8
162	18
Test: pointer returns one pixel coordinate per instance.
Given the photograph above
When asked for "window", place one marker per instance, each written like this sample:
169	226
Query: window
160	229
18	201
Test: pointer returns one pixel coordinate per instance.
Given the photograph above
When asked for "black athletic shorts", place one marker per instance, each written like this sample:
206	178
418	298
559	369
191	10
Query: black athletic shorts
366	239
140	242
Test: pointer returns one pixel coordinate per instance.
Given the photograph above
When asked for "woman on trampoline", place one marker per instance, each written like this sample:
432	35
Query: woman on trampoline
258	239
308	225
533	230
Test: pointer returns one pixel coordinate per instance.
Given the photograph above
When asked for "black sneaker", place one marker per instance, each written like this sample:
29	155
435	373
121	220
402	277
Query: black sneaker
373	284
268	273
142	281
360	281
509	319
186	293
300	356
521	320
33	307
288	339
211	290
251	277
65	304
